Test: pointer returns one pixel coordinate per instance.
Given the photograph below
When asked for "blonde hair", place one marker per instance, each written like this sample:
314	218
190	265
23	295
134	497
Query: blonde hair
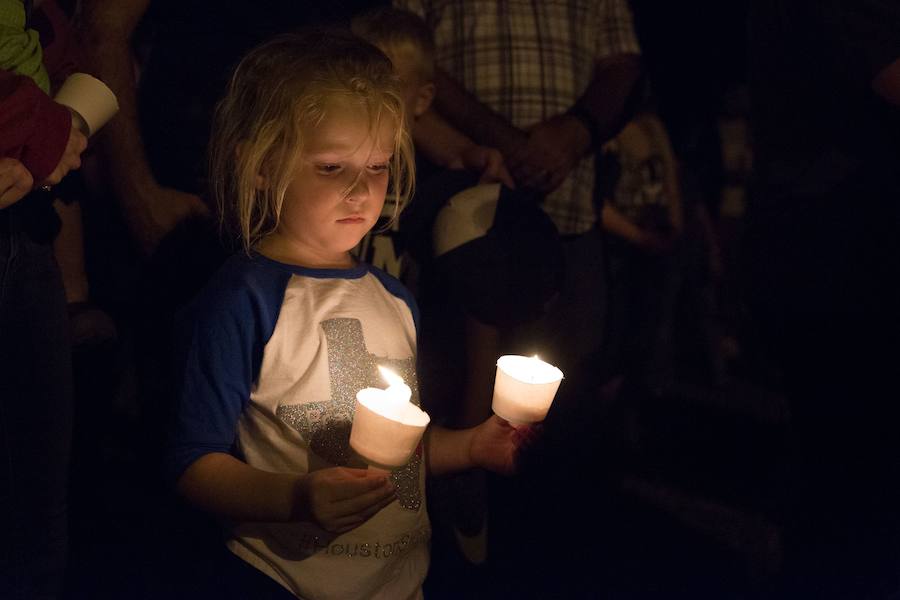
278	92
398	31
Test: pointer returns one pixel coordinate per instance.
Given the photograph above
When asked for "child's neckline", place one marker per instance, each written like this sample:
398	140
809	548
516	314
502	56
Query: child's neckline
358	269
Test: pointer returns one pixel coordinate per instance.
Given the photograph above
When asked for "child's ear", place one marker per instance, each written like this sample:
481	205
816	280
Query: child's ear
424	98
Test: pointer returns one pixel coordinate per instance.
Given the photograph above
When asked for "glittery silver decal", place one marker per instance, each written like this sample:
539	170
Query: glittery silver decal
326	424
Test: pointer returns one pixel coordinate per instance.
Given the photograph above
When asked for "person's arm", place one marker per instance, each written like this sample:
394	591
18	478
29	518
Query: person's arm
671	184
465	112
149	209
616	223
556	145
447	147
606	98
337	499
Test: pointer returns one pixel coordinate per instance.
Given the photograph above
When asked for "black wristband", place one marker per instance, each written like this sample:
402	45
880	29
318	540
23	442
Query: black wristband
587	119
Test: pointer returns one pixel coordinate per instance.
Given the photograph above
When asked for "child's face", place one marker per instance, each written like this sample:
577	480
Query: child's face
338	189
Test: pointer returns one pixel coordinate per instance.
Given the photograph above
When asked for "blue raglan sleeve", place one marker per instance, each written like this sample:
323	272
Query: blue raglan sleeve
220	339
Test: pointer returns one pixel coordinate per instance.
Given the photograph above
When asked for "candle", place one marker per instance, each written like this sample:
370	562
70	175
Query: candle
524	388
387	427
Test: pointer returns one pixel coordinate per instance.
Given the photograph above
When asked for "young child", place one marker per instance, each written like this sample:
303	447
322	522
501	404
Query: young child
306	143
643	212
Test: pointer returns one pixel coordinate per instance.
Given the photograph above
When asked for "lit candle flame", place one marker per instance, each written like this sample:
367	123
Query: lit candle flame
389	376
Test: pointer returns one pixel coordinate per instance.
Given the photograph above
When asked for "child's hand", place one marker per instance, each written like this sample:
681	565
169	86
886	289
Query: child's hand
340	499
489	163
496	444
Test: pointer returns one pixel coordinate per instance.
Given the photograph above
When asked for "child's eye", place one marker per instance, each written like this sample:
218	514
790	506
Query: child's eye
381	168
328	169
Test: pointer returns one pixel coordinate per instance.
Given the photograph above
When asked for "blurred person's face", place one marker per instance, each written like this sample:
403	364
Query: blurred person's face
417	92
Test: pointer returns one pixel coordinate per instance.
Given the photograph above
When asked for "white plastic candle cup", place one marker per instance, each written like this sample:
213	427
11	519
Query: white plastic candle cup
386	432
90	99
524	388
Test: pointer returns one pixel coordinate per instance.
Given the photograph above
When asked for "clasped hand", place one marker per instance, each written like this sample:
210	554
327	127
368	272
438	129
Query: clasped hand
549	153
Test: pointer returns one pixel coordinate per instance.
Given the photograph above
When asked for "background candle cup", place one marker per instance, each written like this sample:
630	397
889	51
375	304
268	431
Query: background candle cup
387	427
524	388
92	102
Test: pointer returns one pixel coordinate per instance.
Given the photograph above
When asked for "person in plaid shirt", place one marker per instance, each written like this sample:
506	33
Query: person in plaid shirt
546	83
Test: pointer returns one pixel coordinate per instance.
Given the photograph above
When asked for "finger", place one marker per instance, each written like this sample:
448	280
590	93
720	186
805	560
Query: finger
365	513
496	172
353	485
358	518
527	435
81	143
74	163
8	195
349	526
23	183
15	189
360	503
8	179
54	177
506	178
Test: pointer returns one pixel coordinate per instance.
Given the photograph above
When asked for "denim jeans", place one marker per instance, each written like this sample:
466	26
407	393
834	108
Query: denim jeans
36	397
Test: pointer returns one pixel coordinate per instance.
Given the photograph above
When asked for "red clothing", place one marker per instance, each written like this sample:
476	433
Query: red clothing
33	128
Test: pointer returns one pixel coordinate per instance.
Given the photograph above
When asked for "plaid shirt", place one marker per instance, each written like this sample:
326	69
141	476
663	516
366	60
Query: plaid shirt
528	61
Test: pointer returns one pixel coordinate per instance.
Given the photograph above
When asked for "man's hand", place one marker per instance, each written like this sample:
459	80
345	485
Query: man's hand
160	211
340	499
15	181
71	158
552	150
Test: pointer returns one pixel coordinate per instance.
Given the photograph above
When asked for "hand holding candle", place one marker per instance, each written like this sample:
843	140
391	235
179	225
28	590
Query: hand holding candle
387	427
524	388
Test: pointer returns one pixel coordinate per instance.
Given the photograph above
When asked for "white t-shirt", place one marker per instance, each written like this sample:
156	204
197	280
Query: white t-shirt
273	357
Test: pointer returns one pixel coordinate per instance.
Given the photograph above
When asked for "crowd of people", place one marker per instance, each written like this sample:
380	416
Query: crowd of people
295	193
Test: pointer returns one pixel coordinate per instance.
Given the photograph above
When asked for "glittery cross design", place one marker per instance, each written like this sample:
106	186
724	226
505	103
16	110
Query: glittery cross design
325	425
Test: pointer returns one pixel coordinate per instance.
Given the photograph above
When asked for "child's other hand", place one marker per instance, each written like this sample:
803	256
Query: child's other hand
340	499
496	444
489	163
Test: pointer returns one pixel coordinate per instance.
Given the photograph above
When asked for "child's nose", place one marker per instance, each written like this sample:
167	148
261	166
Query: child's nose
359	190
